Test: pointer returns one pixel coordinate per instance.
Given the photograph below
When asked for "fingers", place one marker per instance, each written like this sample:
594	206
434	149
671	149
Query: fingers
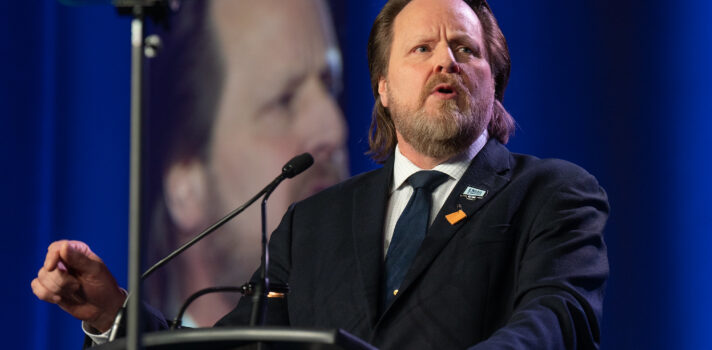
76	256
58	281
56	286
52	257
43	293
76	279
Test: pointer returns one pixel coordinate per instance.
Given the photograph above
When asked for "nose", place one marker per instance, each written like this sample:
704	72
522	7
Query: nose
324	127
445	61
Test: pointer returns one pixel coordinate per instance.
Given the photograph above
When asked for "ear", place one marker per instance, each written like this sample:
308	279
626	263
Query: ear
185	191
383	91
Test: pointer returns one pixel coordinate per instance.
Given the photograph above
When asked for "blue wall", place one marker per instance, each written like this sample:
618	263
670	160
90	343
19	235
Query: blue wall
65	123
621	88
688	75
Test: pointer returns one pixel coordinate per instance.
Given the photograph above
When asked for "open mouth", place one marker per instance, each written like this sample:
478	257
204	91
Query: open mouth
444	90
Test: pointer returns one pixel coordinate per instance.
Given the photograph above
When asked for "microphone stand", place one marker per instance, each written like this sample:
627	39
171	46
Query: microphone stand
257	317
138	9
294	167
133	325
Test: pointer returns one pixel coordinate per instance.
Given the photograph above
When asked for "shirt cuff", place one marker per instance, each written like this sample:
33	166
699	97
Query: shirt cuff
96	338
99	338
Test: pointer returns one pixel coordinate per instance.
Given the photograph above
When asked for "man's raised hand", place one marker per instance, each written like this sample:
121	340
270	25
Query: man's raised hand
77	280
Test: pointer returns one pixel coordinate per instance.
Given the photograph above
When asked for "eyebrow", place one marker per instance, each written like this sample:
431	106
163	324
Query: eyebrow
329	71
462	38
420	39
458	37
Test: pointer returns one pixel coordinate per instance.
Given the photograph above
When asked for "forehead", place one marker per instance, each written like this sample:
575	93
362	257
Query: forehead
269	38
423	17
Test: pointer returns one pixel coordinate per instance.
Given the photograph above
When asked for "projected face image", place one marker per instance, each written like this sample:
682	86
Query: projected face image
282	68
277	103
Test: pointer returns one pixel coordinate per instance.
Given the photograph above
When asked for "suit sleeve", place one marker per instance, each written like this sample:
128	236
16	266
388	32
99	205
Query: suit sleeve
562	272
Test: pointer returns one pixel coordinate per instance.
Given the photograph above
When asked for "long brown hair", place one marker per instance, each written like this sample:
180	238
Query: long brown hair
382	133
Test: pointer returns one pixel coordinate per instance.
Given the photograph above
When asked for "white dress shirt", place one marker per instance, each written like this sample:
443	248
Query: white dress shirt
401	191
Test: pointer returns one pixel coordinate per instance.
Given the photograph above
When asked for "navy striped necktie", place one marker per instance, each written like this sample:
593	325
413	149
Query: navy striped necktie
409	231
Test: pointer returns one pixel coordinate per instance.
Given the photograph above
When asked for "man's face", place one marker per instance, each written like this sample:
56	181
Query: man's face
439	87
276	103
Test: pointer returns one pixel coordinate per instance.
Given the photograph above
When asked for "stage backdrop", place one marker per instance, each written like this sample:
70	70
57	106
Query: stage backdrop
620	88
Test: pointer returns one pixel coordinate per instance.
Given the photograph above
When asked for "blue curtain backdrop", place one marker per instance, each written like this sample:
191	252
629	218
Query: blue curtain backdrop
621	88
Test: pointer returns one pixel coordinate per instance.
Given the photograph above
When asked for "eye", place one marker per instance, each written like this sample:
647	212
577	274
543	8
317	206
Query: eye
331	82
469	50
285	99
421	48
466	50
277	114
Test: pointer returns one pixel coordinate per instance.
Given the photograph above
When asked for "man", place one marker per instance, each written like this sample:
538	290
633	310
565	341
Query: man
235	110
513	256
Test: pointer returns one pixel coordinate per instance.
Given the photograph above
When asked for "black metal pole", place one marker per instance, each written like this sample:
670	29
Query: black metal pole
133	326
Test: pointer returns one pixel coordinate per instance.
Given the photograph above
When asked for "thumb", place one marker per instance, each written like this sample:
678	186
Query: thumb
78	257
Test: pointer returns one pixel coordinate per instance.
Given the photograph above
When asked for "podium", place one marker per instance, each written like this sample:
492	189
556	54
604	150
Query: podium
244	338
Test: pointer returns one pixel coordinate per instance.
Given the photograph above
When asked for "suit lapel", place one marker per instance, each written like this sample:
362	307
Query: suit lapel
369	206
488	171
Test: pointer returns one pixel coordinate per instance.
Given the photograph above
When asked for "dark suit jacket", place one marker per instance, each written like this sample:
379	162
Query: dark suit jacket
525	270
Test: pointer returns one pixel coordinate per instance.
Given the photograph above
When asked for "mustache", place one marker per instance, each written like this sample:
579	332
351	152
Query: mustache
453	80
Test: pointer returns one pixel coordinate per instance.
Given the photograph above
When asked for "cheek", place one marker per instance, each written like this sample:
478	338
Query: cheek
243	162
249	151
479	81
234	166
408	81
246	156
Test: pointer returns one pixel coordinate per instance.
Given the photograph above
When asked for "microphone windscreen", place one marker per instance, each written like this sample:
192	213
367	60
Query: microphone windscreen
297	164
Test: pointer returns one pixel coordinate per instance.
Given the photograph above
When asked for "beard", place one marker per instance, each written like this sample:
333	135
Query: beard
452	127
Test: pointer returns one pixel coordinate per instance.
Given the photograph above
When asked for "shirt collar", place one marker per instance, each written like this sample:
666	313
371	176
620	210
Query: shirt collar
455	167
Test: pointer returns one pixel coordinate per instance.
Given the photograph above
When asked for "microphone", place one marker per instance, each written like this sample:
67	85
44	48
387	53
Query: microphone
294	167
298	164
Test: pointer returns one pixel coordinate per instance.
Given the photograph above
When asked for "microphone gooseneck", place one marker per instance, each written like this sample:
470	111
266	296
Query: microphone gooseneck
294	167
